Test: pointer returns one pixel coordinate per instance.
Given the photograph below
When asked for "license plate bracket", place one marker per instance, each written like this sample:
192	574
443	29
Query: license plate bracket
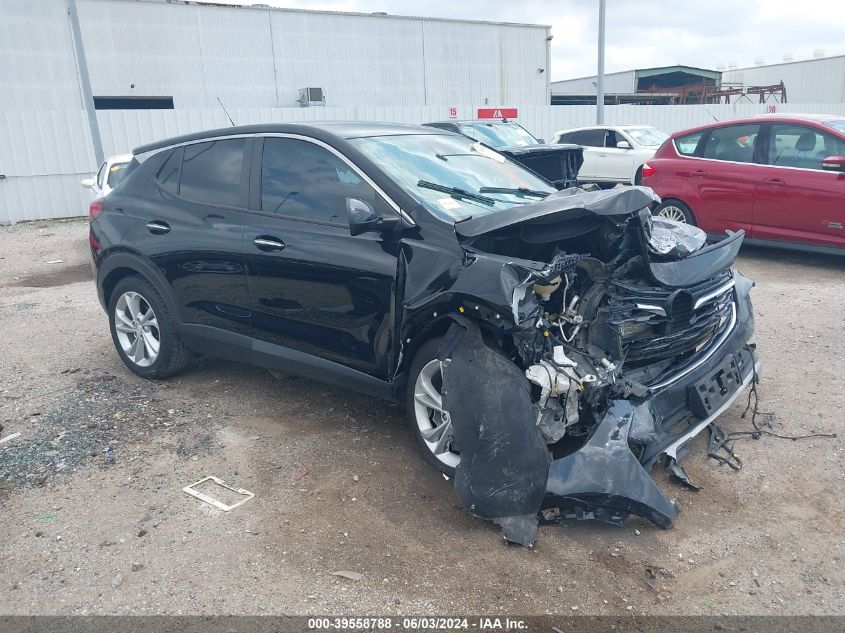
708	394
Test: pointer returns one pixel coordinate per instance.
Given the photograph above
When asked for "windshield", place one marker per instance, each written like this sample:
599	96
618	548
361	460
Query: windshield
836	124
647	136
117	172
499	134
451	161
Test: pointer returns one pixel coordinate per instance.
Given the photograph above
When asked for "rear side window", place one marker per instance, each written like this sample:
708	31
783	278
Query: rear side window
117	172
211	172
686	144
734	143
168	175
302	180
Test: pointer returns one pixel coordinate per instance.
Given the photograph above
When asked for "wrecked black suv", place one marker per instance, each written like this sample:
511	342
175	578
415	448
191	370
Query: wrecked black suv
551	346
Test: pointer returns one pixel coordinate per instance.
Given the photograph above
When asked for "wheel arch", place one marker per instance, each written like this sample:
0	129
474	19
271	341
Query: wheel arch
118	266
675	198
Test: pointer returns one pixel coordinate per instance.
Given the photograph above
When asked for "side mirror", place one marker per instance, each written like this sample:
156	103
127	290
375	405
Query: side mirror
834	163
364	219
623	145
88	183
541	141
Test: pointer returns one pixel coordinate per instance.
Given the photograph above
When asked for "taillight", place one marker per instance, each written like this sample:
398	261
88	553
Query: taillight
95	209
648	170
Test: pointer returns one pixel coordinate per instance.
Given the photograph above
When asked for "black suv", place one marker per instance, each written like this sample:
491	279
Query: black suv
551	346
558	163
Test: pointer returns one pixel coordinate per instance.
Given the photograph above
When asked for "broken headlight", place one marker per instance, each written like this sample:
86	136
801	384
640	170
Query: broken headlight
671	238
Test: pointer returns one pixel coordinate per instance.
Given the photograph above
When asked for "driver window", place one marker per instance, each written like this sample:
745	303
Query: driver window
101	175
612	138
302	180
801	146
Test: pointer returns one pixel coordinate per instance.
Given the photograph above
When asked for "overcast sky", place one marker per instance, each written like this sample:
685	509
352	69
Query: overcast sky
643	33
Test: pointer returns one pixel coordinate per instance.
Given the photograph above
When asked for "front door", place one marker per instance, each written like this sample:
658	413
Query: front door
798	201
314	287
614	163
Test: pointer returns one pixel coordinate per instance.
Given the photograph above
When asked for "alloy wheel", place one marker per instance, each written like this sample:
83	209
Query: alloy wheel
671	212
137	329
433	421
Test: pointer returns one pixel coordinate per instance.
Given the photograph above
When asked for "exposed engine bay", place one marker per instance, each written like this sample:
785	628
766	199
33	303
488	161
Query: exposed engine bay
631	336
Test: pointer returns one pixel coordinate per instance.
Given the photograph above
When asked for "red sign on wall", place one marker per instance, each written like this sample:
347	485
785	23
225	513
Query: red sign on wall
453	112
497	113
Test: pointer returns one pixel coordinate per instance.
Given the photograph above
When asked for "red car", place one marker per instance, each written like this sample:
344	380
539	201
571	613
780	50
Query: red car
780	178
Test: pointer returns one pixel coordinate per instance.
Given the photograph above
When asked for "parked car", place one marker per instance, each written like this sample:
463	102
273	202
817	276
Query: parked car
111	172
613	153
515	321
559	164
780	178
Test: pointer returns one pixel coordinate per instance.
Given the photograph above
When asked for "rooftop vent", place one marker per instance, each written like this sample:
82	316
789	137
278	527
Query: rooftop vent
759	62
788	57
818	53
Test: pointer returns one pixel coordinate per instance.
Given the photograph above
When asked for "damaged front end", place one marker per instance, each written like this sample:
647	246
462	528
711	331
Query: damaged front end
620	338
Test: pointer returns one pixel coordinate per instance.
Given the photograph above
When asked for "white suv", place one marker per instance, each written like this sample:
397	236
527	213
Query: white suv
613	153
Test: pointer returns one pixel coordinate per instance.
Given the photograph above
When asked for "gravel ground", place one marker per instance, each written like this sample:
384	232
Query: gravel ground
94	520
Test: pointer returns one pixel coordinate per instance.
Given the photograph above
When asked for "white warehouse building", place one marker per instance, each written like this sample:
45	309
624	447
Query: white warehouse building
158	68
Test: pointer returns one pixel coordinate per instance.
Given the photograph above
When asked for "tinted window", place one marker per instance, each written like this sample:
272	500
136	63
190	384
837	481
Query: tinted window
733	142
801	146
686	144
589	138
567	138
168	175
211	172
303	180
612	138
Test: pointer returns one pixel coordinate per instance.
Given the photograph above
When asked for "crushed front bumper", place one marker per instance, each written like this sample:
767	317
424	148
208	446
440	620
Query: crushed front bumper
606	480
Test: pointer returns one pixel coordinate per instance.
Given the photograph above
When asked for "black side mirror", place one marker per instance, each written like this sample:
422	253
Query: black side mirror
541	141
364	219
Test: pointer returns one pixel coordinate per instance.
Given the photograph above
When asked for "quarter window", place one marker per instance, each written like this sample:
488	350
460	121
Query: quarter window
802	146
686	144
211	172
168	175
734	143
303	180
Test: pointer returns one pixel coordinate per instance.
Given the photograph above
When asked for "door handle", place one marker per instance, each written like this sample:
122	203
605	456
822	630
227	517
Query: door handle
268	244
602	155
158	228
774	182
699	173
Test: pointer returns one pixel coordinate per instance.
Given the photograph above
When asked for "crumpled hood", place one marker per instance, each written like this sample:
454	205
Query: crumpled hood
559	206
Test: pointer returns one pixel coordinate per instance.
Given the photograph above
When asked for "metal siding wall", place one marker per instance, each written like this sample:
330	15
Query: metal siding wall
523	53
613	83
355	59
37	66
462	63
810	81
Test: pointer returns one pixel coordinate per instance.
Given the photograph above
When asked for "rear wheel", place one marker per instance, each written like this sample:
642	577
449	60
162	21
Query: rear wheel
429	421
638	177
144	331
675	210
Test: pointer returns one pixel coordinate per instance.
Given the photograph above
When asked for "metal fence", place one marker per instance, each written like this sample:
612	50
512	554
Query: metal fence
44	154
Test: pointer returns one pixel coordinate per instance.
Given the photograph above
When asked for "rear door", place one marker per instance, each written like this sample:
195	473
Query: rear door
798	201
315	288
192	229
723	179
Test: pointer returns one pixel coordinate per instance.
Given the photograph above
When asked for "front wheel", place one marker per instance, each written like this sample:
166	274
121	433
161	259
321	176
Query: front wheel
675	210
429	421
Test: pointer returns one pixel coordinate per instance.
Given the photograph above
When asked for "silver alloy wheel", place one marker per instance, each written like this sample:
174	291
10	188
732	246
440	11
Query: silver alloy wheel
434	423
671	212
137	329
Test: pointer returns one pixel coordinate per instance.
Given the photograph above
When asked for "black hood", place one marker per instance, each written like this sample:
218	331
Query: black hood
559	206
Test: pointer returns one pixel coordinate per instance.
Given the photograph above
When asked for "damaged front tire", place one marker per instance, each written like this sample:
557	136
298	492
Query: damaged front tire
429	421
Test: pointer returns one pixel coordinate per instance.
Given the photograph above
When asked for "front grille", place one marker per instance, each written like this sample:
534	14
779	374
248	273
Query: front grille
655	324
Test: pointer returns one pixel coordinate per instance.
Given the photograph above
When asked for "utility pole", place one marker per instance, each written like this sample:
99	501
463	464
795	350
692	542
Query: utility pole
600	74
85	81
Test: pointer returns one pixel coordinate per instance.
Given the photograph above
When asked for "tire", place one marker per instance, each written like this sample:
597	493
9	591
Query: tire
421	418
638	177
137	307
675	210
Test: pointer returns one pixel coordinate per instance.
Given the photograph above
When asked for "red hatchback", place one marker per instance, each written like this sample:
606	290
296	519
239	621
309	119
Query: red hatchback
780	178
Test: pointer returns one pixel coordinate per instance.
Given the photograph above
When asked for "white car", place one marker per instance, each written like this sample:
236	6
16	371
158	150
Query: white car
111	172
613	153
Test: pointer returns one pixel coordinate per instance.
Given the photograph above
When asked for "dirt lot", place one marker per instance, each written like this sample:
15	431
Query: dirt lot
93	518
